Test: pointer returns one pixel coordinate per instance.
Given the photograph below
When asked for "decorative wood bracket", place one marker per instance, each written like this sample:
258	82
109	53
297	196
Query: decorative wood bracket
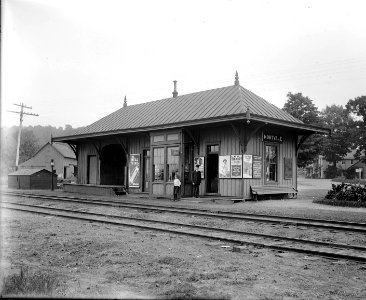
252	133
124	146
237	133
195	141
74	148
97	147
300	142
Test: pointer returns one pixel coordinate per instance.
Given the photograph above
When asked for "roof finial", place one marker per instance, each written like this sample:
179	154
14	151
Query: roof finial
236	78
175	93
125	102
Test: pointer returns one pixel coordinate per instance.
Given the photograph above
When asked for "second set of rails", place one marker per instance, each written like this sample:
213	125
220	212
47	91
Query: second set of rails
238	237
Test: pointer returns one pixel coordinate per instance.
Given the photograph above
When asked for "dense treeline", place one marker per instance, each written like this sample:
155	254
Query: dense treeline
32	139
348	125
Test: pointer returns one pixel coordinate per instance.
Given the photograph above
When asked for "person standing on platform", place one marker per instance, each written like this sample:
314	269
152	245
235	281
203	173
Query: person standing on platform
176	190
196	182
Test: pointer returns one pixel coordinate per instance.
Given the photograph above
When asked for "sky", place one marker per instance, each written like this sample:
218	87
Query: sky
74	61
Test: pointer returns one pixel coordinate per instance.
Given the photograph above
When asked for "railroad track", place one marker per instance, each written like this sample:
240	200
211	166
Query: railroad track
339	251
260	218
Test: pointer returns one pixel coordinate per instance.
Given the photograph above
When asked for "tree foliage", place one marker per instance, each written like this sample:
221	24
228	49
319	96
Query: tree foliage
302	108
357	109
336	146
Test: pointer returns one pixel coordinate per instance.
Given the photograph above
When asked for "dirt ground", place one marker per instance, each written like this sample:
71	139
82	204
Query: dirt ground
105	261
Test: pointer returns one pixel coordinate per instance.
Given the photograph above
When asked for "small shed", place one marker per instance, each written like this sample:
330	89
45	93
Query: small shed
32	179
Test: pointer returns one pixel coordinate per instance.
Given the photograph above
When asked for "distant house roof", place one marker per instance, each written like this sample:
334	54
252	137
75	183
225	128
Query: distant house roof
64	149
352	153
27	172
221	104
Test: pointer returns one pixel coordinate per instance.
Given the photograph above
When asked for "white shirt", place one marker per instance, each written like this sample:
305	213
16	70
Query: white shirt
177	182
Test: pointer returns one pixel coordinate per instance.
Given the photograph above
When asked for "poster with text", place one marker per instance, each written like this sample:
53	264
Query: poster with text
200	160
224	166
247	166
236	166
257	166
134	171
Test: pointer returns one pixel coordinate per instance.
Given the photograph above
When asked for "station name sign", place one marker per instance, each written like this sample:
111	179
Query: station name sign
267	137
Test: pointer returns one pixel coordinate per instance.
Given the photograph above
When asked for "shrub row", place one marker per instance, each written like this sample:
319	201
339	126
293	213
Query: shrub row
347	192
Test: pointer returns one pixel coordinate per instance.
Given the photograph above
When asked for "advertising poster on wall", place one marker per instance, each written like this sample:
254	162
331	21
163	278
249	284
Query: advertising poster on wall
236	166
200	160
134	171
224	166
247	166
257	167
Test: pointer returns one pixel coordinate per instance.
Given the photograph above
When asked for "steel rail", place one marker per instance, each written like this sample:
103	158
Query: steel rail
307	222
335	251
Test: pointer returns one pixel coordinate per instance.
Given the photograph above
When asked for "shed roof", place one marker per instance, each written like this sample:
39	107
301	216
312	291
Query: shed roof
24	172
212	105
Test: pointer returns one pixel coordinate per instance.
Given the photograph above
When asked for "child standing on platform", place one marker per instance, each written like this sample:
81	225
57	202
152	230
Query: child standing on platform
176	191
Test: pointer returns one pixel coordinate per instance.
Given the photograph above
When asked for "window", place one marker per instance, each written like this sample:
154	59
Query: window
158	163
213	148
271	163
172	137
172	164
158	138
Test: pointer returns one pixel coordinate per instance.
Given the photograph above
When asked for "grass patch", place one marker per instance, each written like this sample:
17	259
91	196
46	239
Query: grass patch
28	283
343	203
353	181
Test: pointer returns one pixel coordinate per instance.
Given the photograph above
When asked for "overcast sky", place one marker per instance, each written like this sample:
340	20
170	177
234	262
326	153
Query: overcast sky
75	61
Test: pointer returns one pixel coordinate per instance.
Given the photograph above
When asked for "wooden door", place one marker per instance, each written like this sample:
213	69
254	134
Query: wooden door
92	169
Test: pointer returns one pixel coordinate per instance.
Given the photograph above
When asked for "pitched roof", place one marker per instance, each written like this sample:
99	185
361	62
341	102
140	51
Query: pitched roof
216	104
64	149
27	171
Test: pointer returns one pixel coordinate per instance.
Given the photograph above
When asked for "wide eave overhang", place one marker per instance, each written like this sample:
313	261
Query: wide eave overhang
303	129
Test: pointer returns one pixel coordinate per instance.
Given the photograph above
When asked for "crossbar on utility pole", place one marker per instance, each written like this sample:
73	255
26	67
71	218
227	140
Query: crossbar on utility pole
21	114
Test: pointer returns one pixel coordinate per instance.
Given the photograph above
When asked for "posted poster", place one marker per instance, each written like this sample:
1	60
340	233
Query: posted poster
236	166
257	167
134	171
247	166
224	166
200	160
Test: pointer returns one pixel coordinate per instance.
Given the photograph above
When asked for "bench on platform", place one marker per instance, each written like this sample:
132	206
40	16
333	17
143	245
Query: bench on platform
92	189
268	190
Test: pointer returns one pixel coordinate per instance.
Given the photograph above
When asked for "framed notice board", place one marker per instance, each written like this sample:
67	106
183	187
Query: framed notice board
287	168
257	167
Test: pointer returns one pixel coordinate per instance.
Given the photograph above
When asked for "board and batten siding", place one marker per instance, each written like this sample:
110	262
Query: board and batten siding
229	144
84	150
136	145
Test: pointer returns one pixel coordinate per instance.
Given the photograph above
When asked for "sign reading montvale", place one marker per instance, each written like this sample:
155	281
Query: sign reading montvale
272	138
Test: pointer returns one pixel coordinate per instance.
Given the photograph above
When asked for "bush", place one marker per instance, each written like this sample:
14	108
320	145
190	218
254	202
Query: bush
347	192
332	172
350	173
26	283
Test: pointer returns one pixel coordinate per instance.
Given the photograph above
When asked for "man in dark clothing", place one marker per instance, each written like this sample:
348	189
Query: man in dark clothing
196	182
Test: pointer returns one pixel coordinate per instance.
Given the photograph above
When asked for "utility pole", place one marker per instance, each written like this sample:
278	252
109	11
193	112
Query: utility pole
21	114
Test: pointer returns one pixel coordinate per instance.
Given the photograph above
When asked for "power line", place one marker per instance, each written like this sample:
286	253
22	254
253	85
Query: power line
21	115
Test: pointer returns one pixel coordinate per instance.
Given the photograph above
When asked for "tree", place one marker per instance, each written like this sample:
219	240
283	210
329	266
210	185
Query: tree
302	108
28	145
336	146
357	109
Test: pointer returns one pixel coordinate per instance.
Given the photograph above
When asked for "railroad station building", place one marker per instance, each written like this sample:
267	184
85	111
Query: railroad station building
240	141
